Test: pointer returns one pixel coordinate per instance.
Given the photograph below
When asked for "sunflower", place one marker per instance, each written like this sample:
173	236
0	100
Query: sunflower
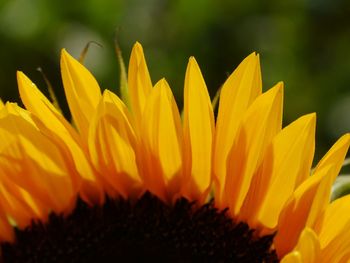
134	180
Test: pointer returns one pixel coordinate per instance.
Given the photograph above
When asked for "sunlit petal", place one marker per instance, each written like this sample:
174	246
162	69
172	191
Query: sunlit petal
301	210
32	161
163	139
334	220
54	125
112	146
81	89
198	134
260	124
293	257
237	93
335	155
139	81
291	154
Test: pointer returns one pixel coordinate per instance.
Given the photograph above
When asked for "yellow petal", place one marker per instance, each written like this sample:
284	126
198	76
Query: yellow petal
14	207
35	101
112	146
139	81
302	209
198	133
334	220
33	162
1	104
53	124
334	158
162	134
293	257
19	204
237	93
285	166
260	124
335	155
338	249
81	89
307	250
309	246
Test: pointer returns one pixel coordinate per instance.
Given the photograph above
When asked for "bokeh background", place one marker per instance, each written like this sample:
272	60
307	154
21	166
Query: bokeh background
305	43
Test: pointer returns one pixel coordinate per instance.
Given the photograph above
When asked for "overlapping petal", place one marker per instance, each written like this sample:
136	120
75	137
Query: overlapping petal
297	212
112	145
334	222
260	124
307	249
238	92
260	171
33	162
59	130
163	142
286	164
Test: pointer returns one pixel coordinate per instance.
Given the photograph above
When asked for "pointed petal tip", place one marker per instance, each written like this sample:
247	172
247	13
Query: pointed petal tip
64	52
280	83
65	56
163	82
138	44
20	77
310	120
105	92
19	72
23	81
192	59
279	87
253	54
310	117
137	47
276	91
346	136
313	115
253	57
192	63
345	140
257	58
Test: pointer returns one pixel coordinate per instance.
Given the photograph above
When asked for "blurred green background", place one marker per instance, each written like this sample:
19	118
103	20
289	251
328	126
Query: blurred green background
304	43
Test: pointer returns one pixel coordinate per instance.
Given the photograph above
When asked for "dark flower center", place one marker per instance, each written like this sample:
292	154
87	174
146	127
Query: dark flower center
146	231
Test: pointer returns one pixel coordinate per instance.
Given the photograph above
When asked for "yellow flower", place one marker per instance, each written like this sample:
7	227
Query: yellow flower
253	167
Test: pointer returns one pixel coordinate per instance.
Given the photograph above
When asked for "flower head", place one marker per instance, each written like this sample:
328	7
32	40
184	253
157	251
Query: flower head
144	152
